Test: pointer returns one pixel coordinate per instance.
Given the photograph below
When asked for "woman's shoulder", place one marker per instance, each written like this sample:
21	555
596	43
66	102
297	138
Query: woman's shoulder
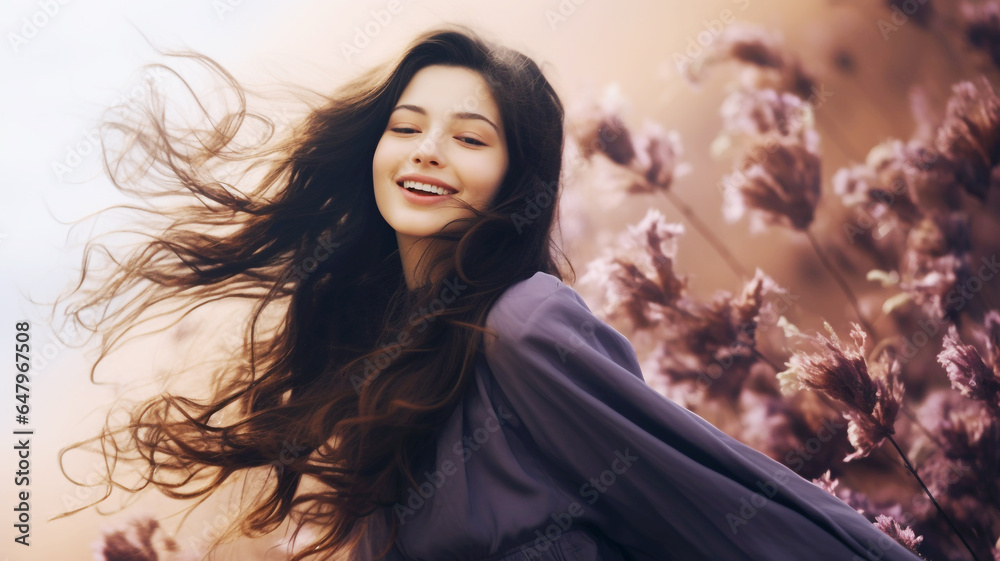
543	321
522	299
541	302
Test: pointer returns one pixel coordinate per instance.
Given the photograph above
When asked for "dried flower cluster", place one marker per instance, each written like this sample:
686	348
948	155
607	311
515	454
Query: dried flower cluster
903	535
982	27
764	60
976	375
760	112
777	178
970	136
142	539
871	391
639	280
653	156
699	339
905	211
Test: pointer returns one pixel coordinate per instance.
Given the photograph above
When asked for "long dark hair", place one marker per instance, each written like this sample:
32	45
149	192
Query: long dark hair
358	371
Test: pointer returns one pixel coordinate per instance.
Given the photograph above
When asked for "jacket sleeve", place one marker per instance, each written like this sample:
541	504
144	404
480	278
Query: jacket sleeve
663	482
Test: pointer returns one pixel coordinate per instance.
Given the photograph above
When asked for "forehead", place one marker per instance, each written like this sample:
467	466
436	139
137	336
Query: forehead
450	89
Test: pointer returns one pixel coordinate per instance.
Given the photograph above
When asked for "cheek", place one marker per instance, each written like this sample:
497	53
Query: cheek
486	179
498	171
488	170
387	157
379	162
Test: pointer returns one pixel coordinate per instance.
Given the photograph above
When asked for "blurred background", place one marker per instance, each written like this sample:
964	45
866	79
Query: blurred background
873	65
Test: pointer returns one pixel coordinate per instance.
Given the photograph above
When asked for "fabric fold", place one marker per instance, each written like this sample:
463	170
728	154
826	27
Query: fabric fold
656	478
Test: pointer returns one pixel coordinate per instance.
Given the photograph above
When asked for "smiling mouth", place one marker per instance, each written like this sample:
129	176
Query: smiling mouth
425	189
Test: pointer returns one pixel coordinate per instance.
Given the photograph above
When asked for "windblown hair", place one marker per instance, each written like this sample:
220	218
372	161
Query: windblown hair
308	241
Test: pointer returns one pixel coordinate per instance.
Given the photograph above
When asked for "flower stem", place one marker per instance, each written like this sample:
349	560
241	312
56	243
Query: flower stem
913	419
851	298
765	359
940	510
706	232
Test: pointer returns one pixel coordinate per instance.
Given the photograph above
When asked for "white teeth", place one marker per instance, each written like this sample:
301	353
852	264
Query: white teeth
425	187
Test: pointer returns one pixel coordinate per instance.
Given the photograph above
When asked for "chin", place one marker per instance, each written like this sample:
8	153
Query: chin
416	230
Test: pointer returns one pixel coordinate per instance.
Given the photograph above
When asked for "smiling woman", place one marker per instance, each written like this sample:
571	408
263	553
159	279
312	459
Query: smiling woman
370	353
447	395
435	152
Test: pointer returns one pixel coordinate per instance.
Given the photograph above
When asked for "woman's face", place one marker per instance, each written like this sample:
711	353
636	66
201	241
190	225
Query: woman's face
445	132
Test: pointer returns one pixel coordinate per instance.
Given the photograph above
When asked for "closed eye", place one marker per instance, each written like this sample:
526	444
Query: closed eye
404	130
470	140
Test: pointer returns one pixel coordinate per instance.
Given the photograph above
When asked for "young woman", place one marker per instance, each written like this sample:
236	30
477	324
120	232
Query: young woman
445	394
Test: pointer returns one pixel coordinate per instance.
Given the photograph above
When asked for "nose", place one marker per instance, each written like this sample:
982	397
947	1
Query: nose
428	152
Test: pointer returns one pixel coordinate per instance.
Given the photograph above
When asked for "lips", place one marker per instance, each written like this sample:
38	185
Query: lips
427	180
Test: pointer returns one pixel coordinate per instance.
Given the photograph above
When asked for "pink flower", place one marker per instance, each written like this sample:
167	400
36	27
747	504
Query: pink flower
763	53
965	458
777	180
842	373
785	429
142	539
599	128
903	535
638	276
970	372
657	158
713	344
884	184
982	27
826	483
970	135
757	112
857	501
653	155
936	261
888	197
769	423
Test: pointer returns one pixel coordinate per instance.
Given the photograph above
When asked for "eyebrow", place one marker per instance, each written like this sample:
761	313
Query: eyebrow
460	115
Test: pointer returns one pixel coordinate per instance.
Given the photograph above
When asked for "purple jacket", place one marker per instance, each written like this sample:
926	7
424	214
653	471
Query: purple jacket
561	452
